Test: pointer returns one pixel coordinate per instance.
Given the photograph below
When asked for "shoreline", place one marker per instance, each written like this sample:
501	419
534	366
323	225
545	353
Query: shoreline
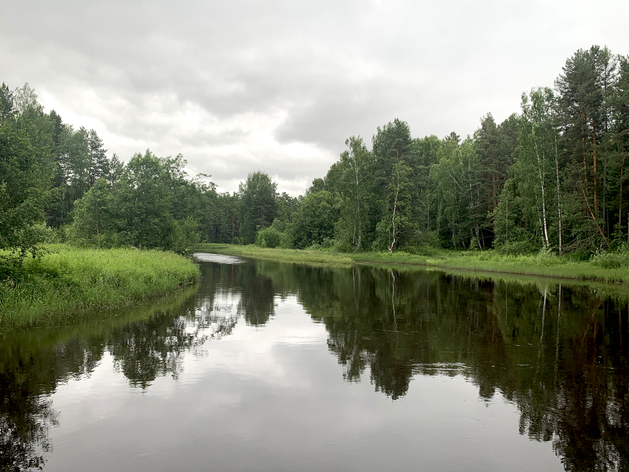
69	283
548	267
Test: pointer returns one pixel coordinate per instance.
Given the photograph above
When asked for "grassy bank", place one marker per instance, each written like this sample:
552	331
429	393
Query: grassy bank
68	282
606	268
309	256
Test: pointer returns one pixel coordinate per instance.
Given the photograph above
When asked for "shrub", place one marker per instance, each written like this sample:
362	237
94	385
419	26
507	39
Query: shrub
610	260
269	237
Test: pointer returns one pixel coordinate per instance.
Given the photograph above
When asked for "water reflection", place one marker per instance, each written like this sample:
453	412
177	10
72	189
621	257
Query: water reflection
25	420
558	353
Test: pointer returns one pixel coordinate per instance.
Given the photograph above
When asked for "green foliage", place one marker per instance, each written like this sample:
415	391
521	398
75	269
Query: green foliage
351	179
611	259
184	236
455	181
397	220
393	159
43	233
315	220
152	206
94	218
26	172
269	237
552	177
25	177
66	280
310	256
258	206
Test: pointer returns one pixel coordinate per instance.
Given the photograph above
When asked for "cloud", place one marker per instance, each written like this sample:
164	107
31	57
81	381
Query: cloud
279	85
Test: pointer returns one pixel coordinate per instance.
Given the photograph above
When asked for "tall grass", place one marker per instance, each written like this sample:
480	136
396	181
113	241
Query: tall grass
67	281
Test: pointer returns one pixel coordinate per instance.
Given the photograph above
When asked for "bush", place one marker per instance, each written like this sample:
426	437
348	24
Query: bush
610	260
517	248
424	250
328	243
47	235
269	237
184	236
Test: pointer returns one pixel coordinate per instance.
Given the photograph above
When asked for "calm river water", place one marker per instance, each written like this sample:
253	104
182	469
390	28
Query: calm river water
279	367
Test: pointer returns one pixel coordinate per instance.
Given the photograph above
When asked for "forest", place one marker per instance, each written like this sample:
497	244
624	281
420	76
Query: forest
551	177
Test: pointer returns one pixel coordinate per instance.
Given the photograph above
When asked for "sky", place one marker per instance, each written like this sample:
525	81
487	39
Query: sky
278	86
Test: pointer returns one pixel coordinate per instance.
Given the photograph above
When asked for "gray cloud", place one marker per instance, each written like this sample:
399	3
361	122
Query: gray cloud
279	85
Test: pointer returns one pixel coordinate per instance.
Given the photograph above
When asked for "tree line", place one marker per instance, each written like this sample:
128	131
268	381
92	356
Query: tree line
550	177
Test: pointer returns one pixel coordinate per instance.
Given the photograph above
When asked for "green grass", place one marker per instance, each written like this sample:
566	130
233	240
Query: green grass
68	282
545	265
309	256
605	268
89	327
390	258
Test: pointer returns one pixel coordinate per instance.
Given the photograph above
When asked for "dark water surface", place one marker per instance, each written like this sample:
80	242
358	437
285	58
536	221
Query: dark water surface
279	367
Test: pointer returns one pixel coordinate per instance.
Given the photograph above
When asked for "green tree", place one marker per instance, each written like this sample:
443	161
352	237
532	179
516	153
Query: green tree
26	171
314	223
258	205
144	202
457	189
397	219
583	93
535	195
354	188
494	151
424	209
393	163
620	140
95	221
7	109
99	165
75	162
287	206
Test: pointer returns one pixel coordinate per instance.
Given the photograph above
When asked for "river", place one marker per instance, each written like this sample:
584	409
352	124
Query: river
281	367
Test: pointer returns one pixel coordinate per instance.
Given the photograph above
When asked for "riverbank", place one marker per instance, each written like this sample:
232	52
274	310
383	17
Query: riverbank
307	256
606	268
68	282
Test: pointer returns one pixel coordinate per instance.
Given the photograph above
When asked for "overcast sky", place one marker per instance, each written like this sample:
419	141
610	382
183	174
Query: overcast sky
278	86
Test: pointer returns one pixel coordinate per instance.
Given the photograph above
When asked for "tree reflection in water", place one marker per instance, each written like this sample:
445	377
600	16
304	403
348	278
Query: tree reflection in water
558	353
24	423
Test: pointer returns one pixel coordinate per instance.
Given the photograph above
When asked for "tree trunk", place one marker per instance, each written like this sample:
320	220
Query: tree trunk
393	229
558	198
541	171
595	172
97	226
622	169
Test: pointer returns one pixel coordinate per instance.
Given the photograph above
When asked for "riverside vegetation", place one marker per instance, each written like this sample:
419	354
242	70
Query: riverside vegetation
537	193
608	267
68	282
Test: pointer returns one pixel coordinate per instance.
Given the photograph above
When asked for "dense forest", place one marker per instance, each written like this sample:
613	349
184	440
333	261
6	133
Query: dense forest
550	177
